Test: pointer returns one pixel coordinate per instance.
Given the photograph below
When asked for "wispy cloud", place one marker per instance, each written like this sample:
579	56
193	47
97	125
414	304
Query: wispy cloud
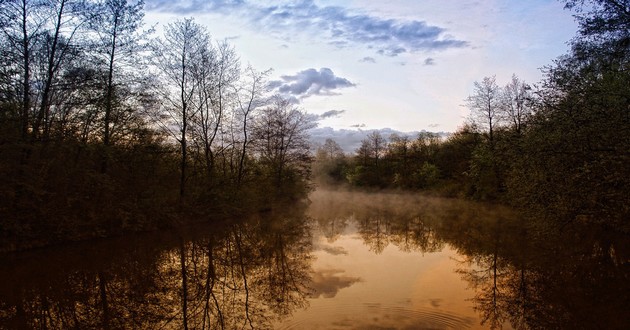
310	82
340	26
429	61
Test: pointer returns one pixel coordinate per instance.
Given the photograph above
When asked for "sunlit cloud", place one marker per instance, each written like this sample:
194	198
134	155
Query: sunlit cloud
339	26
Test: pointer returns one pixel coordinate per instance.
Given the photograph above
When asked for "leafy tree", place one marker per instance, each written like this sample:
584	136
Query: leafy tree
577	146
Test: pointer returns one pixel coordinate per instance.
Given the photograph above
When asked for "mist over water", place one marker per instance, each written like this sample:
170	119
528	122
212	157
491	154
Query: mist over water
348	260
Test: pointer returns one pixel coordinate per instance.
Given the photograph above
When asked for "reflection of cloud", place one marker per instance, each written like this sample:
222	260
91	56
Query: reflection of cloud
338	250
310	82
435	302
340	26
328	282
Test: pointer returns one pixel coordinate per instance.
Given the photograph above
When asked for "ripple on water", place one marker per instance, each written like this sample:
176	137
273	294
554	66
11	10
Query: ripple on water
376	316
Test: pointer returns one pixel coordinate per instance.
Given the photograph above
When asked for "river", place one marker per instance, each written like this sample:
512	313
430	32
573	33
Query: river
347	260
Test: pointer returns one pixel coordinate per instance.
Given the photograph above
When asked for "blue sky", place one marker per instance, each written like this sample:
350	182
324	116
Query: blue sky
400	64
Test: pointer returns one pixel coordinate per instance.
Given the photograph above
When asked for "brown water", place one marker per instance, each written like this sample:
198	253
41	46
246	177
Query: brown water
347	261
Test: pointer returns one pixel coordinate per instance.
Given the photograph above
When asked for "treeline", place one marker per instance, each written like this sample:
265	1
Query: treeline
105	128
559	149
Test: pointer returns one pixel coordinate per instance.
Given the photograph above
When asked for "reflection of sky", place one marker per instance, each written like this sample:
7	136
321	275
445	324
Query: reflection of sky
358	289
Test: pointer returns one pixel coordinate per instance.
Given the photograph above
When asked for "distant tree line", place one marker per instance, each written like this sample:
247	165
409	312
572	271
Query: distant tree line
559	150
106	129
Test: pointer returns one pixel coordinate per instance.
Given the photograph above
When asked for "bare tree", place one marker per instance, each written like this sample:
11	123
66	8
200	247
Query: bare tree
22	22
282	139
484	105
249	97
215	73
377	145
118	40
177	56
514	103
58	47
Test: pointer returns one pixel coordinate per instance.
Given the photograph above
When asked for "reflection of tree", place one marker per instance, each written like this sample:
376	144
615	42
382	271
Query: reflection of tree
570	279
375	232
106	291
407	232
241	276
487	275
381	219
332	227
285	256
414	234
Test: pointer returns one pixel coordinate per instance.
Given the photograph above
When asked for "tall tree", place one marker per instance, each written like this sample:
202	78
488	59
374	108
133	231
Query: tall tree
22	22
57	48
215	74
249	97
176	57
118	41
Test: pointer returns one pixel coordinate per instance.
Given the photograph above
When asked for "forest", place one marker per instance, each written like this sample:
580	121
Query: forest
107	129
558	150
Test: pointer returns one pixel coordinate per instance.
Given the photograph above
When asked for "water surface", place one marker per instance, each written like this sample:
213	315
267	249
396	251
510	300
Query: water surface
347	261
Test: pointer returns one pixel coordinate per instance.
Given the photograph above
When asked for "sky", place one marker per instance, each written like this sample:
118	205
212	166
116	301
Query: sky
402	65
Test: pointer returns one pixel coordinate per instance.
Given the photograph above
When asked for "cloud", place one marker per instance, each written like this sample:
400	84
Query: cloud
194	6
391	51
429	61
331	113
310	82
368	59
327	283
340	26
